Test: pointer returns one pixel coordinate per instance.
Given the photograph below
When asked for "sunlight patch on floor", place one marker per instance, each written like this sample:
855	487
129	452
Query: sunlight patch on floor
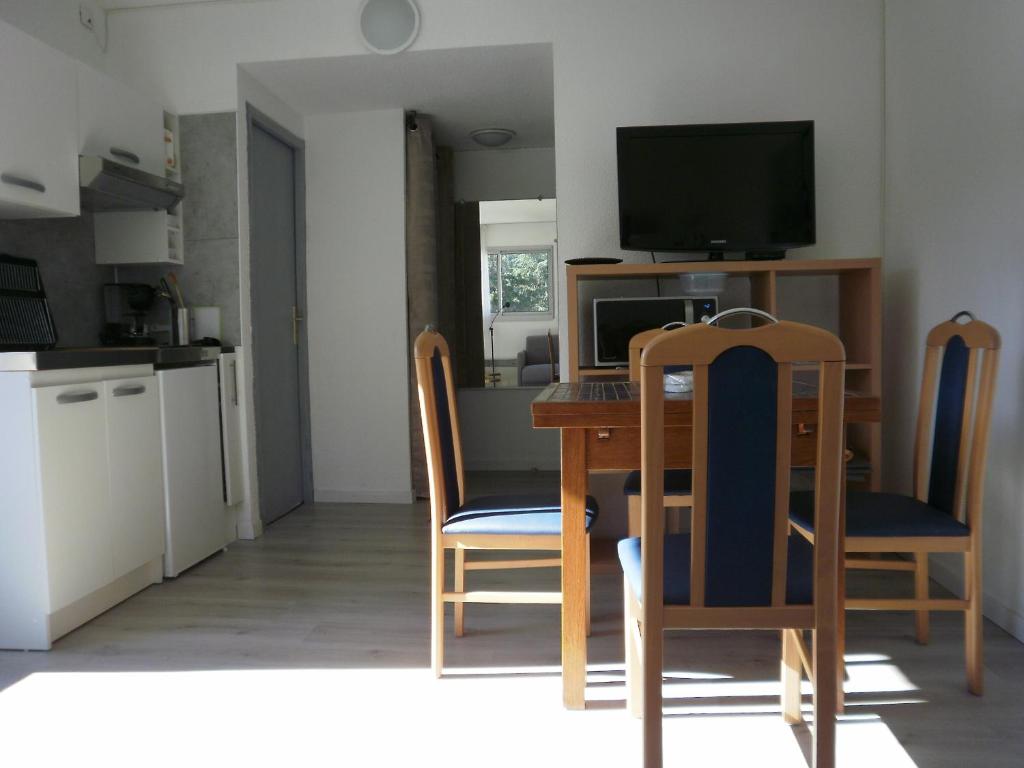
497	717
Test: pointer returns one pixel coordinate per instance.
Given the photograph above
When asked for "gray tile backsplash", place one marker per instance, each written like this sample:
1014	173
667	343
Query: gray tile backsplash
74	282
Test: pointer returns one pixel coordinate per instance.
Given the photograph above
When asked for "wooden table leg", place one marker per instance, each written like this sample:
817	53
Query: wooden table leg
841	582
574	623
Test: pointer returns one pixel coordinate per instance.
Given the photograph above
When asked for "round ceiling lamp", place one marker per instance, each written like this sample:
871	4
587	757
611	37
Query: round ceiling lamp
492	137
388	26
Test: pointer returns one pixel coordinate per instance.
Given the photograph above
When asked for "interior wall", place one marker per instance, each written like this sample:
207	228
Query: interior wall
358	341
504	174
56	23
953	228
510	333
683	62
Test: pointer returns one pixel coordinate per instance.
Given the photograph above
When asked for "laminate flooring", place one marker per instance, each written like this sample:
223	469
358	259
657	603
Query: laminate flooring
309	646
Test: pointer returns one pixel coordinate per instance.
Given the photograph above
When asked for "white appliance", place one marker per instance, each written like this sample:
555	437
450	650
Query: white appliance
193	486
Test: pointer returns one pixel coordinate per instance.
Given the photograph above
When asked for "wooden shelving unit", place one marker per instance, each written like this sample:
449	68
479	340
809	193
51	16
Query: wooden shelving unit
858	303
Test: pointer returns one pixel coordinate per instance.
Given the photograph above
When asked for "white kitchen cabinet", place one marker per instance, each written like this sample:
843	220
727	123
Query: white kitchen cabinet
117	123
230	427
38	129
81	497
74	484
136	472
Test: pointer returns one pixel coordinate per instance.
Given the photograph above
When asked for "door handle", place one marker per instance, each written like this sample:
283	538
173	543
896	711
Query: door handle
68	398
125	154
296	319
21	181
234	382
129	389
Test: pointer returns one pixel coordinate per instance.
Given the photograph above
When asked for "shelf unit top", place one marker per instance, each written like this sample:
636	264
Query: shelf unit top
781	266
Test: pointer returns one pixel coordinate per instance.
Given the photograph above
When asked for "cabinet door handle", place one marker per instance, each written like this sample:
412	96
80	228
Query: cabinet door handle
125	154
128	390
67	398
21	181
234	380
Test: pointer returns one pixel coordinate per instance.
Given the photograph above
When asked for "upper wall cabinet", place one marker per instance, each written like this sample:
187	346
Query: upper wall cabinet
116	123
38	137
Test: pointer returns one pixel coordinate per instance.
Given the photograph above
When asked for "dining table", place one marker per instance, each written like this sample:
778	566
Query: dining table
600	431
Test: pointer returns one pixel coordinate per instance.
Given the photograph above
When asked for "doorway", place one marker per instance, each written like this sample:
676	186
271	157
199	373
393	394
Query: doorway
278	300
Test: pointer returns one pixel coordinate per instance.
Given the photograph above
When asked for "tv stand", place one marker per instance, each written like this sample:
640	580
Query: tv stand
716	256
765	255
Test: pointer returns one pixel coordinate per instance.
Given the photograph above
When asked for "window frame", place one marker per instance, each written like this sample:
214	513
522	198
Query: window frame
552	288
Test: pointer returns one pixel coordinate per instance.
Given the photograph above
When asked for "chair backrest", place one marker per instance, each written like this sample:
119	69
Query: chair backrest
949	461
440	424
636	348
537	350
742	413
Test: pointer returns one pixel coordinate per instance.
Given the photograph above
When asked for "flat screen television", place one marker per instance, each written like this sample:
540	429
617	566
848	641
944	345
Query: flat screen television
618	320
715	188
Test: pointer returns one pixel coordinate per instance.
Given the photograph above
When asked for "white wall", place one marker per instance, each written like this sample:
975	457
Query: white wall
615	63
355	261
954	229
56	23
510	333
504	174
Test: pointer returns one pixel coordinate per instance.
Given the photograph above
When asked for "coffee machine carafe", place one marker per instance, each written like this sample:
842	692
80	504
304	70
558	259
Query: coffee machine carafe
125	307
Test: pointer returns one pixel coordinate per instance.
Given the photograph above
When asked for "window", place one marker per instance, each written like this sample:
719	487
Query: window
522	277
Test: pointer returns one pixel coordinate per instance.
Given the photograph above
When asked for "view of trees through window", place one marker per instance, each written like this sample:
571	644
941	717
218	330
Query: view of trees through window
520	277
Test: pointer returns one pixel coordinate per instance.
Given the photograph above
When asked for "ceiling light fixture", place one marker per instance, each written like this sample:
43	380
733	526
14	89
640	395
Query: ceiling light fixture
388	26
492	137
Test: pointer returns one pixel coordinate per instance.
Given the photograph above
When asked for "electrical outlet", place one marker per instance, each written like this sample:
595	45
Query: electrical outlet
85	16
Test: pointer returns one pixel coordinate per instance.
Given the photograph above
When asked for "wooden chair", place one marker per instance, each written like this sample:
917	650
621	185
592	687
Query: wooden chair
738	568
944	514
507	522
678	482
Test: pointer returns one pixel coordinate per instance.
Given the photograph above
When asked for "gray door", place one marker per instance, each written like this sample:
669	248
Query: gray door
275	304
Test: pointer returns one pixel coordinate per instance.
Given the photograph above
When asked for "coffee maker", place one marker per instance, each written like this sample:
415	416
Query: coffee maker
125	307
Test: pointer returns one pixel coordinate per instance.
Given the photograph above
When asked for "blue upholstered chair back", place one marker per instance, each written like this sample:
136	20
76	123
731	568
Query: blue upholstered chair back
445	433
741	468
742	412
961	395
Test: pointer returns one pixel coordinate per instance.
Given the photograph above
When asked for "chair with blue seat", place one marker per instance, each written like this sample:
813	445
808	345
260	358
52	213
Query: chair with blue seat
527	522
738	568
678	482
944	514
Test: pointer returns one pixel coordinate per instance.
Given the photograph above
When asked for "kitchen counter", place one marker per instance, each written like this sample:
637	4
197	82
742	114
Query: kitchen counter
94	357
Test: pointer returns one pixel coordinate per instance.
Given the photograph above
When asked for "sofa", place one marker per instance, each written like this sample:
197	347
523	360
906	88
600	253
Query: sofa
534	365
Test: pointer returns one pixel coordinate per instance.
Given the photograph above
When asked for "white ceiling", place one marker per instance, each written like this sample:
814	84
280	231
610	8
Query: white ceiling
516	211
461	89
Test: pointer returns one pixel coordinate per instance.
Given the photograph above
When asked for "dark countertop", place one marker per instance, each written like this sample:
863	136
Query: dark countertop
94	357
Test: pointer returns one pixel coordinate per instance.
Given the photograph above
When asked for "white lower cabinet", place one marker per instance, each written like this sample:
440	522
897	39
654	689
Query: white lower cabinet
135	468
74	484
81	497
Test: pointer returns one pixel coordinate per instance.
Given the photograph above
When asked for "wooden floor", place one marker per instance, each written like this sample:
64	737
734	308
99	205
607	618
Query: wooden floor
310	646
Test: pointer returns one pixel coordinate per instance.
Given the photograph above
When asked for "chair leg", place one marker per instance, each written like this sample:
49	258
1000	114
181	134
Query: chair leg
651	662
633	510
973	620
437	607
792	674
826	698
841	639
921	593
634	689
460	586
587	566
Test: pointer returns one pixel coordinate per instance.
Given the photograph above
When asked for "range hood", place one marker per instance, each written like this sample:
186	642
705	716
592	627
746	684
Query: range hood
110	186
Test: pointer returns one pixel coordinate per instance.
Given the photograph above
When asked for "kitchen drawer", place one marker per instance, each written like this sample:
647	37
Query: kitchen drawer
38	135
74	485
